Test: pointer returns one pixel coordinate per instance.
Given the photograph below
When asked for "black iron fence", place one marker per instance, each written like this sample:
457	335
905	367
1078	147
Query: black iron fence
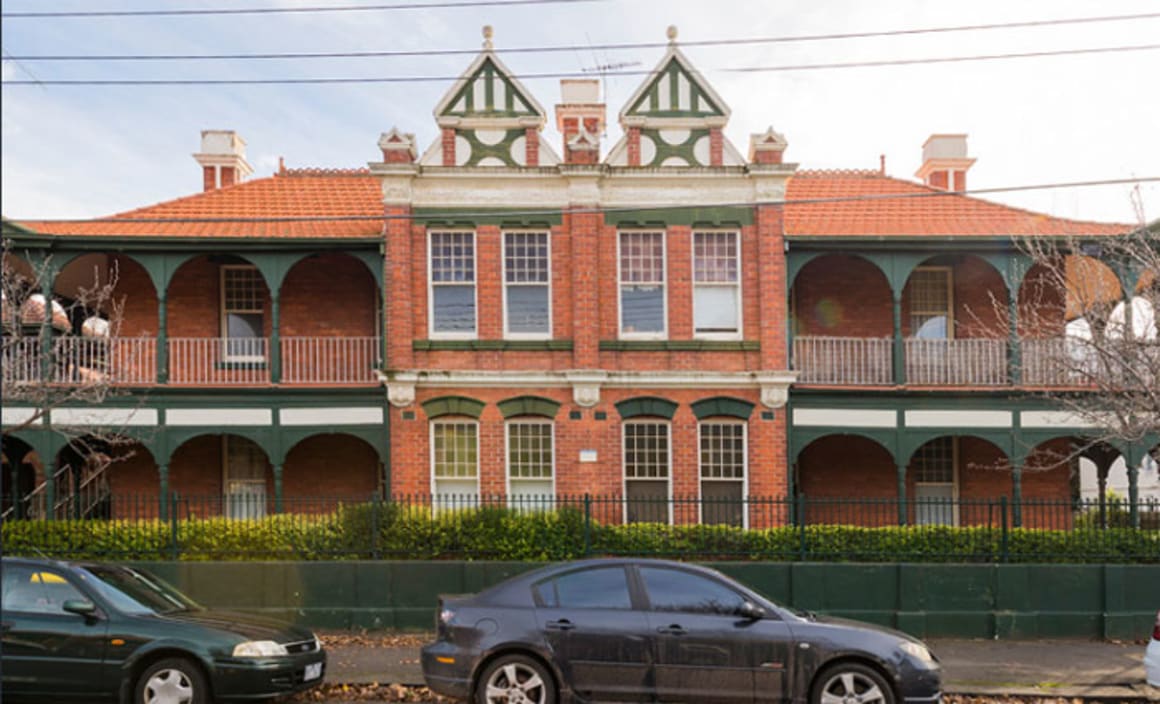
253	526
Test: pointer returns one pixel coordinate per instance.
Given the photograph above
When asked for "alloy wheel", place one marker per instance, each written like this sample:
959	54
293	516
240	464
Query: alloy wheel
169	687
848	687
515	683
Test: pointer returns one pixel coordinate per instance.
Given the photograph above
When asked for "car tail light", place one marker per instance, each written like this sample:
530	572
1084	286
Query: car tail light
1156	628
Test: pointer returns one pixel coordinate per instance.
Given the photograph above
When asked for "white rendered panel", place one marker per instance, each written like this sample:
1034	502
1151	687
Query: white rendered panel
219	416
350	415
844	417
958	419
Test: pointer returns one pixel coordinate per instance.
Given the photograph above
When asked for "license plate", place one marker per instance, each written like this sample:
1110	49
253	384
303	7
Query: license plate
313	672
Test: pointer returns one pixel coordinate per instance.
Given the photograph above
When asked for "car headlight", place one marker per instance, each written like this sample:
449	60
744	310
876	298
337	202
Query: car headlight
259	649
918	651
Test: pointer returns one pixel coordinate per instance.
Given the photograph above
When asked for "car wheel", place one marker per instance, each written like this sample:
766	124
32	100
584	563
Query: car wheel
515	679
851	682
172	681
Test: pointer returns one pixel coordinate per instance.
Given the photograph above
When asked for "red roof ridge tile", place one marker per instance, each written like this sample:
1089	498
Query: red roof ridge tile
324	171
830	173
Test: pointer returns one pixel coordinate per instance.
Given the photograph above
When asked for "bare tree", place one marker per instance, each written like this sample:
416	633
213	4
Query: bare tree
1088	318
59	351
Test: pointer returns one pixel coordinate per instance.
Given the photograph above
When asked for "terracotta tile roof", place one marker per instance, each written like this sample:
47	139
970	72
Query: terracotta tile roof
849	203
290	193
925	210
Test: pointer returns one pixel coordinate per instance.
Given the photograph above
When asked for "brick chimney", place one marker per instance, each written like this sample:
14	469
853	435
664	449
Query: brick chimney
580	119
767	147
398	147
223	159
945	162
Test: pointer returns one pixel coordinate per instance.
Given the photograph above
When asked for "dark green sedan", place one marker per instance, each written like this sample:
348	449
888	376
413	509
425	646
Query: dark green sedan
106	632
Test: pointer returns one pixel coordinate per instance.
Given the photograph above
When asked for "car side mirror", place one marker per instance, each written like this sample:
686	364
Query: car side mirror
751	611
80	607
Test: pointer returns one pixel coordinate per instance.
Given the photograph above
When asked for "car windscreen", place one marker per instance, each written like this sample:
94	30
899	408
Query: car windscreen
136	592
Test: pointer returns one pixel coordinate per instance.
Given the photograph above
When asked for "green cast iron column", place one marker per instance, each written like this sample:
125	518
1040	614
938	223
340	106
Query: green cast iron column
1014	353
1133	493
275	341
901	494
163	487
162	343
899	352
1017	496
278	488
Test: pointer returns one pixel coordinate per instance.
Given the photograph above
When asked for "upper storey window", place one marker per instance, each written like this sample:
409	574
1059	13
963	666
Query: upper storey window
716	284
527	296
452	284
642	285
930	304
242	315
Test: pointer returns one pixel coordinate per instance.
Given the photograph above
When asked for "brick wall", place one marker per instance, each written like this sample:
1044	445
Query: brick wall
842	296
330	295
332	466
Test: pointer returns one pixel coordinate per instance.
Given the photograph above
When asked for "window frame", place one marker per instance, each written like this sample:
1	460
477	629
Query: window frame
508	334
224	312
528	420
744	481
737	334
949	271
652	607
954	482
228	499
451	420
668	479
432	333
663	334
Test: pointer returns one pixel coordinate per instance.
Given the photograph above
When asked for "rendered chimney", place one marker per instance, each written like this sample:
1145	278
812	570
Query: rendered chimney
945	162
580	119
222	158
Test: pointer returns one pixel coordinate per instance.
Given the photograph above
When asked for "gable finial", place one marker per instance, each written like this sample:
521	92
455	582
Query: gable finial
671	33
488	33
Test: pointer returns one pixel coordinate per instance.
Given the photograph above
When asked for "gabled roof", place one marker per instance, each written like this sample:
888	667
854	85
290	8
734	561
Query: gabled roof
488	89
859	203
288	194
676	90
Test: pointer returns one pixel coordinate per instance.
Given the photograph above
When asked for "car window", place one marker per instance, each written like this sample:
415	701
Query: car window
597	588
677	590
36	590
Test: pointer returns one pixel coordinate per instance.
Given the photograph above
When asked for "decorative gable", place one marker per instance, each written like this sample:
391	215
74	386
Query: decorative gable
490	92
675	91
488	118
674	119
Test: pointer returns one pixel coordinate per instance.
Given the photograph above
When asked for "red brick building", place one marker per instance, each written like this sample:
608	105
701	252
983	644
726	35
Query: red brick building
665	319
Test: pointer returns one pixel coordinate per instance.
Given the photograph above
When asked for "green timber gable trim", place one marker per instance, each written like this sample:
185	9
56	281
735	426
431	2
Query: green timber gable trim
492	345
490	92
685	150
708	217
722	406
679	346
646	406
528	406
453	406
504	218
661	96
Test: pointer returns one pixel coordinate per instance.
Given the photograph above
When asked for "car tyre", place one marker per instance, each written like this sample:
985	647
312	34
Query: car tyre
850	681
515	679
172	681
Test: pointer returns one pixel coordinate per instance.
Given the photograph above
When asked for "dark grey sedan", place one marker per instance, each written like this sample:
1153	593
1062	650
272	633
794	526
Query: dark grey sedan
650	630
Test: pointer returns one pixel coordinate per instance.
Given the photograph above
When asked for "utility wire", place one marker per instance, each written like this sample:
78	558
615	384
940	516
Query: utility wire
558	211
577	47
567	74
279	10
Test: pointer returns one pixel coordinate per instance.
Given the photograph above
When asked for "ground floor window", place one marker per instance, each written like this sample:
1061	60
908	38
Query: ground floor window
245	467
647	467
455	462
530	462
934	467
722	461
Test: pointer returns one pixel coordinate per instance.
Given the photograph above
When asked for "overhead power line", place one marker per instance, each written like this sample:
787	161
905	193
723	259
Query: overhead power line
278	10
748	41
567	74
558	211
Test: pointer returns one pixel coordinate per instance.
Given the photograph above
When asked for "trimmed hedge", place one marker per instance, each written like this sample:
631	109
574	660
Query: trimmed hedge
392	531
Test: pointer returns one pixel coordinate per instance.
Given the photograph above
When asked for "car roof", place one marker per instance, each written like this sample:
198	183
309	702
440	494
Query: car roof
518	582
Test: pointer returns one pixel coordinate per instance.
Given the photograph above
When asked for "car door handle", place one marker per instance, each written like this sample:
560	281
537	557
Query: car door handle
561	625
673	630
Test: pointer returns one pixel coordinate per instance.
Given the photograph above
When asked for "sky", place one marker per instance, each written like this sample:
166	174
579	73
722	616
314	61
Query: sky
75	152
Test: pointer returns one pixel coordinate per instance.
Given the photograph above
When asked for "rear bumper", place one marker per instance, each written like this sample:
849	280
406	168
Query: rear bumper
447	669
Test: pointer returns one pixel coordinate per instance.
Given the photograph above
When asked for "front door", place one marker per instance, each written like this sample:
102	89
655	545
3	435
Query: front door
599	640
46	650
705	650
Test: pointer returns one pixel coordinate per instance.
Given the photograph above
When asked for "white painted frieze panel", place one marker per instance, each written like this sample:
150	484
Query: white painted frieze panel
105	417
845	417
958	419
352	415
219	416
